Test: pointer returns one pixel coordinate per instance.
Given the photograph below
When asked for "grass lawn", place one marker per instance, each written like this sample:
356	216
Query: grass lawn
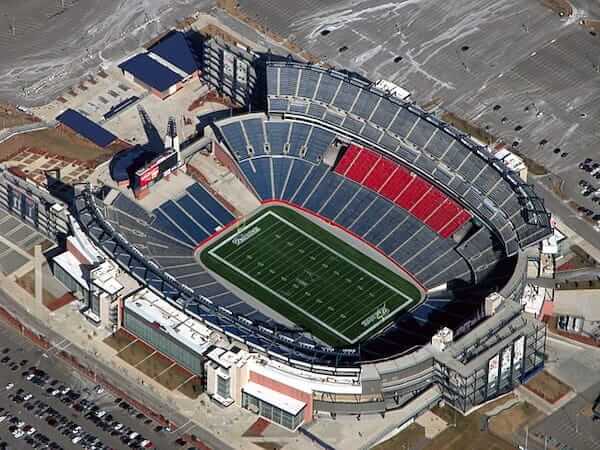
310	276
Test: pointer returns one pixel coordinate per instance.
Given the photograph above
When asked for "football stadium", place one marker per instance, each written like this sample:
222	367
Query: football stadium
379	265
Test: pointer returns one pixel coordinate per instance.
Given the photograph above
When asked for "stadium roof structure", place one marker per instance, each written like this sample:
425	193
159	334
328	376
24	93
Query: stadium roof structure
126	162
175	49
151	72
86	128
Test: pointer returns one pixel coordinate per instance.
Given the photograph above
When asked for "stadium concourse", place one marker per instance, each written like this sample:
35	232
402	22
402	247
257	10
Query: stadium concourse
387	259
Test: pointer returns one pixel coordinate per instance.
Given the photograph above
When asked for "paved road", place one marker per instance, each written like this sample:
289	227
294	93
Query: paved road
567	216
118	379
20	349
572	425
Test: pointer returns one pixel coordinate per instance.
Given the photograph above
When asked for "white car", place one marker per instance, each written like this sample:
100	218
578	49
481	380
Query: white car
21	424
118	426
28	397
18	434
2	418
100	414
66	391
133	435
76	439
9	386
30	377
99	390
31	431
55	392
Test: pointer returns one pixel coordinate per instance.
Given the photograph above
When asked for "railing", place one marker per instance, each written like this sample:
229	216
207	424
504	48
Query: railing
187	296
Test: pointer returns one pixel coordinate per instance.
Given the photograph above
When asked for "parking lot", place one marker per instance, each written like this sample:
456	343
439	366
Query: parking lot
45	405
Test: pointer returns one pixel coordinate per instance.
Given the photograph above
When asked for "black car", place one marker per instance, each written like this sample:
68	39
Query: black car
5	359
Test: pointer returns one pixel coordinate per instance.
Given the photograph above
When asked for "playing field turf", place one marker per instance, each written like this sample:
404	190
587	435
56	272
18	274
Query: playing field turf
310	276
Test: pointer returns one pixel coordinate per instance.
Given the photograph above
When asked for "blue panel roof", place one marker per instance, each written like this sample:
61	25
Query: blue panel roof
175	49
86	128
151	72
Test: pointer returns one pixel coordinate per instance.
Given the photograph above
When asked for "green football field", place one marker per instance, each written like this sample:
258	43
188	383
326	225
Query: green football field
310	276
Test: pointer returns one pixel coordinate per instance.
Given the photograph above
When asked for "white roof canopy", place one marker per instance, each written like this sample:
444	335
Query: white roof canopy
281	401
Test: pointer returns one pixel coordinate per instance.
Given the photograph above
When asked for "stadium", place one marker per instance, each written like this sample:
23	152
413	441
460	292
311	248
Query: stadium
382	264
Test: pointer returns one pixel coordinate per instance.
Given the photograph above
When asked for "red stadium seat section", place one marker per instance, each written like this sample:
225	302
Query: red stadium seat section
362	165
347	159
409	191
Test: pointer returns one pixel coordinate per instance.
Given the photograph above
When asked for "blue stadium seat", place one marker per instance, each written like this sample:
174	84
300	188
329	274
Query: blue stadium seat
256	135
309	184
277	135
187	225
298	137
210	203
298	173
198	214
346	96
308	83
356	206
281	168
323	192
164	224
371	215
327	88
258	172
318	142
386	225
235	139
288	80
339	199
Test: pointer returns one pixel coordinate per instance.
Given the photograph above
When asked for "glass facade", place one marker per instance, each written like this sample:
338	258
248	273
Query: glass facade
69	282
272	413
223	386
163	342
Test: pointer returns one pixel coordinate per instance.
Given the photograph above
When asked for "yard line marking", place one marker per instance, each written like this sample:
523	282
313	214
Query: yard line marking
241	264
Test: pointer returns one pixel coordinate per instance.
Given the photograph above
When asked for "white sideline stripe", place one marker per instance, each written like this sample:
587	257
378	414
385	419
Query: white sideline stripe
377	324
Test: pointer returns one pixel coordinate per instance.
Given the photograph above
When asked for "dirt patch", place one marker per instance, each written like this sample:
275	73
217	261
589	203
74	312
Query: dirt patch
466	434
510	421
269	445
10	117
61	142
412	436
192	389
468	127
174	377
46	244
119	340
155	365
57	303
548	387
560	7
135	353
27	282
257	428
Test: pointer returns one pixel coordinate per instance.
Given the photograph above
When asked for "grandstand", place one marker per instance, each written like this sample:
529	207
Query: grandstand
421	224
